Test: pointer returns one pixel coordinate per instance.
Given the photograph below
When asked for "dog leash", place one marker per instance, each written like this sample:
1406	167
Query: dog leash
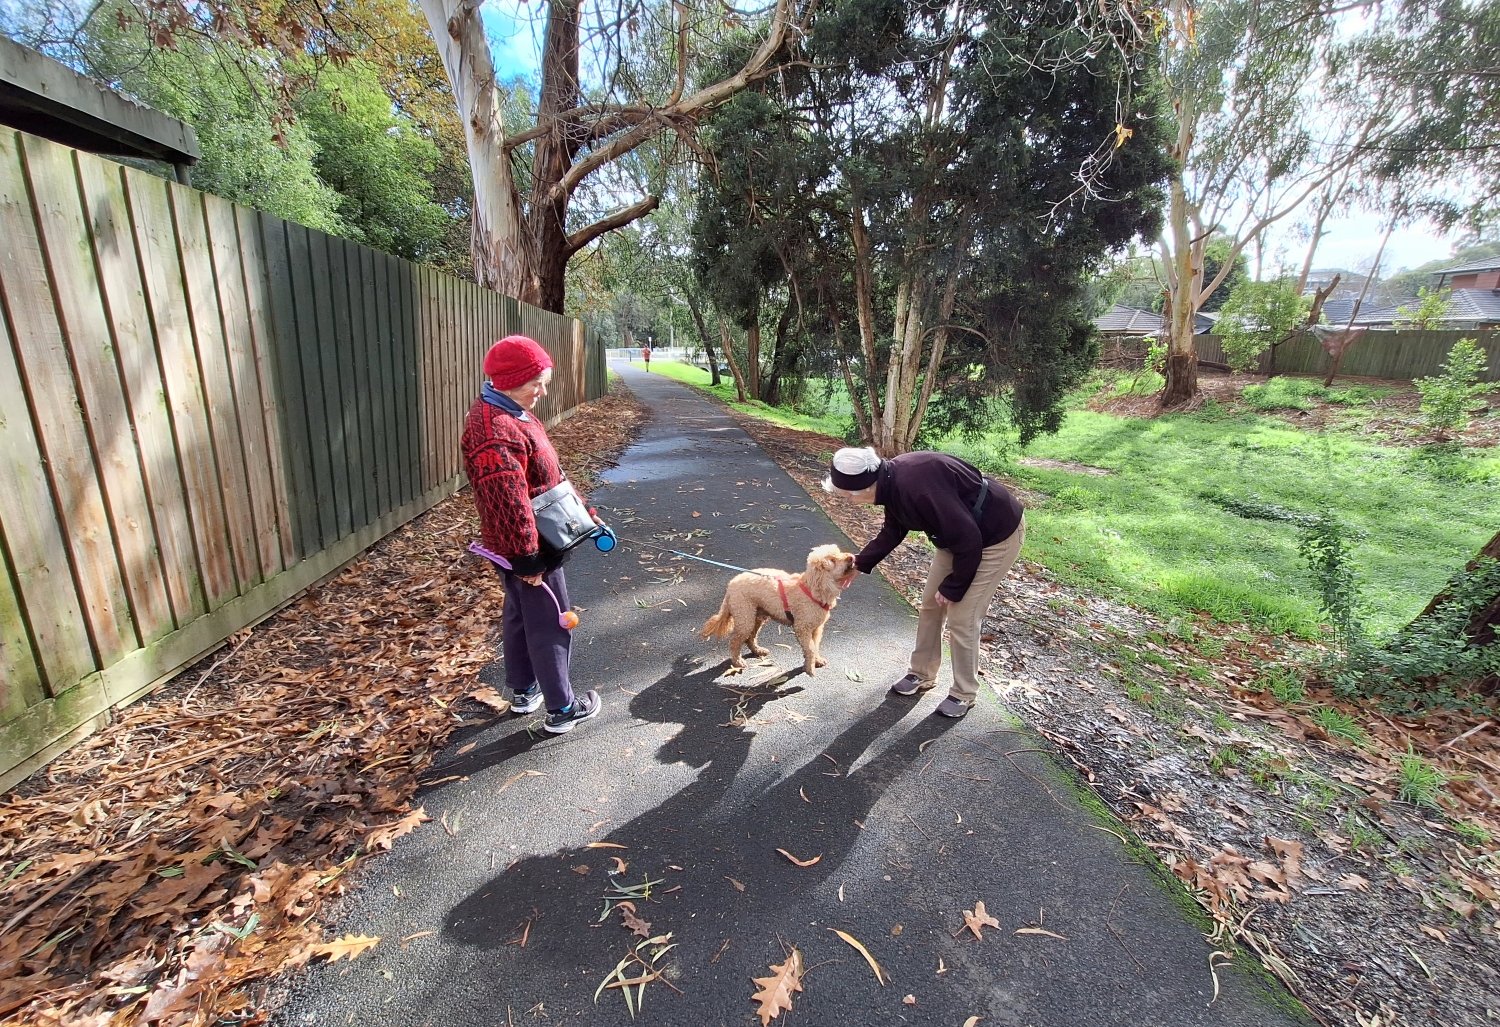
690	556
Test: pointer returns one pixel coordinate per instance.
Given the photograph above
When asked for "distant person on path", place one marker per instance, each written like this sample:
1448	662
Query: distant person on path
977	527
646	356
509	460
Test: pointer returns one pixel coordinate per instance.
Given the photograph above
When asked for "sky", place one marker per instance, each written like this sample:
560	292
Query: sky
1352	242
515	31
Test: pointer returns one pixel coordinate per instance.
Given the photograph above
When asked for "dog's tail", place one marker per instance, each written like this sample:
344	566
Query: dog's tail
720	624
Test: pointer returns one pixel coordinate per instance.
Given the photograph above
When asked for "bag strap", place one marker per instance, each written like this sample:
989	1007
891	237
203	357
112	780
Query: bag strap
984	493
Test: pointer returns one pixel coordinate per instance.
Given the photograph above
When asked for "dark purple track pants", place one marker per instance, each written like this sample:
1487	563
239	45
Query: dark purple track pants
536	647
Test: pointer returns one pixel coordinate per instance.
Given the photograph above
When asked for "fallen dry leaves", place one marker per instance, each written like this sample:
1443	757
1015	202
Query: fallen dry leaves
978	918
632	922
775	994
160	869
350	945
880	975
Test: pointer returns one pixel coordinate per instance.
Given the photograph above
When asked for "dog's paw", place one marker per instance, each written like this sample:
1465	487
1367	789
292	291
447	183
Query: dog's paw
758	651
820	662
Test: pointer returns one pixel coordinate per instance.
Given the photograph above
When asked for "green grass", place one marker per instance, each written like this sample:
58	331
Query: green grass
1419	782
1147	534
1338	724
1283	393
830	423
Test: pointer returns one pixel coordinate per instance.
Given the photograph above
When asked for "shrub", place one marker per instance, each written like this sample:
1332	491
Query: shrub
1325	545
1257	316
1430	660
1448	397
1433	306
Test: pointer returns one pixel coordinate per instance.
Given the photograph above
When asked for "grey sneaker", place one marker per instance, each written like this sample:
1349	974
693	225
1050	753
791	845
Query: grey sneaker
528	701
951	707
580	709
909	685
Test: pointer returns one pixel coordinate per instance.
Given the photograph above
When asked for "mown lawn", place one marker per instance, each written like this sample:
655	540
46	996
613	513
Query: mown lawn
1149	534
829	424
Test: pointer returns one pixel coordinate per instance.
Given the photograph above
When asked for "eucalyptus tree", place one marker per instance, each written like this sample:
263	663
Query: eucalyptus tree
614	76
1263	123
947	175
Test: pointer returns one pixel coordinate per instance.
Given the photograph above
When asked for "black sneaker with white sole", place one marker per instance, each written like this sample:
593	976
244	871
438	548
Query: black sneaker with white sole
528	701
582	708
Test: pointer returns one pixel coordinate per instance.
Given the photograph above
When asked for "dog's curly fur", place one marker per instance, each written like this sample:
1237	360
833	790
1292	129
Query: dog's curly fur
753	598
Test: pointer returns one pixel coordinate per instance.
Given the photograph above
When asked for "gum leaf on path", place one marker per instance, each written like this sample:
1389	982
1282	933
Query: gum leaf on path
800	862
349	945
775	994
880	974
976	918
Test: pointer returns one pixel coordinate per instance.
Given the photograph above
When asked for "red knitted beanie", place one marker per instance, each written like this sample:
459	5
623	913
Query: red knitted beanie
514	361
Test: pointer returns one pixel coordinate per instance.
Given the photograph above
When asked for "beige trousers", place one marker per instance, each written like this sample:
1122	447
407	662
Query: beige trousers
965	619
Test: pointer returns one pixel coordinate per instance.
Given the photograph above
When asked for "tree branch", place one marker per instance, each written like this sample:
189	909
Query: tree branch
619	219
756	68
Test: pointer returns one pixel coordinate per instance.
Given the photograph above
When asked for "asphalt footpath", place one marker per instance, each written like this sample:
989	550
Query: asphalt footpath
695	791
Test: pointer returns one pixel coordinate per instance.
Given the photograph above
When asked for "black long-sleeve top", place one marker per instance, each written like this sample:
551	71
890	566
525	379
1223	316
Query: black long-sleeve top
935	493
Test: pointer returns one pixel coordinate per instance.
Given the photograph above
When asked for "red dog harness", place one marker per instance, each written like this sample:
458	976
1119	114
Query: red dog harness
791	618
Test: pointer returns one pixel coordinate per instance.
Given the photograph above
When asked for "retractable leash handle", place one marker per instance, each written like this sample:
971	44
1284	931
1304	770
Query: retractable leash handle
565	618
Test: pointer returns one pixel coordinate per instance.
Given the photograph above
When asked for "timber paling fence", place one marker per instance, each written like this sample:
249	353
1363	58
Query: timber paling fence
1397	355
204	410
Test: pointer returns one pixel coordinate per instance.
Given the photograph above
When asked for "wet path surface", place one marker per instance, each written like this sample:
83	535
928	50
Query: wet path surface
695	781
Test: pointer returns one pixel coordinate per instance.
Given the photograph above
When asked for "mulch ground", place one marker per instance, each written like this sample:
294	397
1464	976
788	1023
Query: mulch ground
1297	844
164	869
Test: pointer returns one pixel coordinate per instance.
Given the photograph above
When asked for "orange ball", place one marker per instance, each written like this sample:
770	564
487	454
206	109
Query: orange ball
570	620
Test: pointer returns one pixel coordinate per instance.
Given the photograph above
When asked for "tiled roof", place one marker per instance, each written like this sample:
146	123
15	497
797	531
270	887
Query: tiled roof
1470	308
1482	264
1134	321
1474	305
1129	321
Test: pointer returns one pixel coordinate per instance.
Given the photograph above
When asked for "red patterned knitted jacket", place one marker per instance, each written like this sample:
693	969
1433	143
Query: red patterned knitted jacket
509	461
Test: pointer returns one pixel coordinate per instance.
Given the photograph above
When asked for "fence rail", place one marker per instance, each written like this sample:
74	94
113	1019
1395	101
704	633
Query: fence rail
203	410
1400	355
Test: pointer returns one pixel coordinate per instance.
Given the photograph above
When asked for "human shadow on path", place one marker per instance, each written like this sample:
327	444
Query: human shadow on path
706	838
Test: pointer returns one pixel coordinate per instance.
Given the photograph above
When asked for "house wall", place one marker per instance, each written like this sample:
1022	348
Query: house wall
1476	280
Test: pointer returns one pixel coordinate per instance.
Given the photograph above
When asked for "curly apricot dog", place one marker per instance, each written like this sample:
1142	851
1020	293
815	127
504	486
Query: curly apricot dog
802	600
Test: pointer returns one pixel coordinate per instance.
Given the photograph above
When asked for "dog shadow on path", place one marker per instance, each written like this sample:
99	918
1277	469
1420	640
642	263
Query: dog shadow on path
703	841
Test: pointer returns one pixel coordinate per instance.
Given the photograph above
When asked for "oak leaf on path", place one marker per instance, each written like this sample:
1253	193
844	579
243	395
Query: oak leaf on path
977	918
349	945
775	994
381	837
633	922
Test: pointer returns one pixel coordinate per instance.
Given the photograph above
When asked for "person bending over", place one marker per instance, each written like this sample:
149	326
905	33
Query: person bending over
977	527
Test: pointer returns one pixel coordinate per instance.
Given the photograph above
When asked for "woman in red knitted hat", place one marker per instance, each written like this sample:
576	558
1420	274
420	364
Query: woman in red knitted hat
510	460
